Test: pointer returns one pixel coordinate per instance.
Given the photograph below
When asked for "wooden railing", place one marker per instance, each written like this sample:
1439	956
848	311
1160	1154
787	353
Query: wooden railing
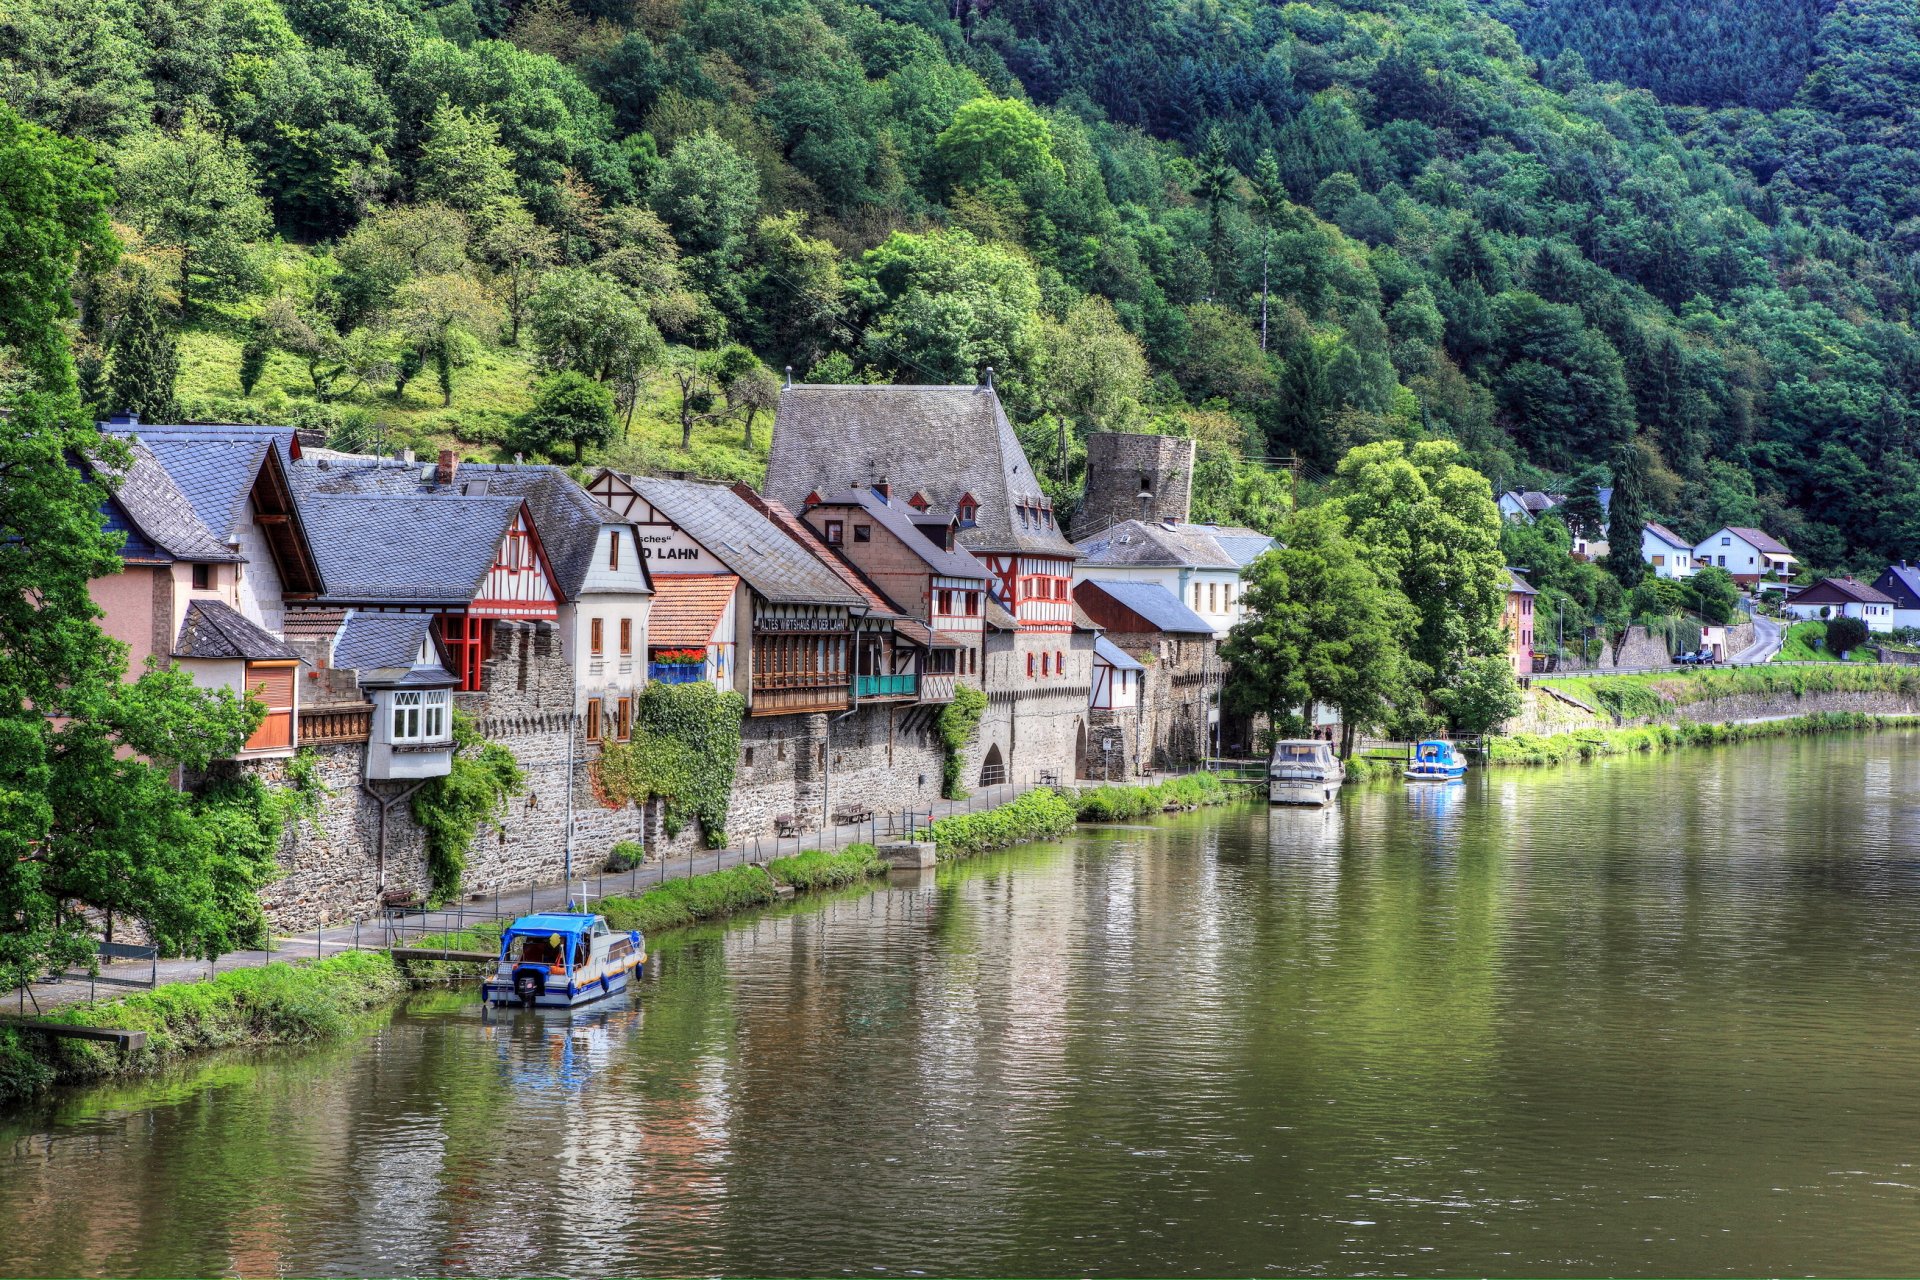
327	724
937	688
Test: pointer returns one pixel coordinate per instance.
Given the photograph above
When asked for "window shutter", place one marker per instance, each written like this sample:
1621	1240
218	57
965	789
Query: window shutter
273	687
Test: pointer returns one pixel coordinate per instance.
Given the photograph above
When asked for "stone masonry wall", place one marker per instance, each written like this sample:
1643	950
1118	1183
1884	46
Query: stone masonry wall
1036	723
884	756
1177	690
1117	465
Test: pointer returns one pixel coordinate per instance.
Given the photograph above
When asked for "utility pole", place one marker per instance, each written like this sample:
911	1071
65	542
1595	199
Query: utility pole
567	877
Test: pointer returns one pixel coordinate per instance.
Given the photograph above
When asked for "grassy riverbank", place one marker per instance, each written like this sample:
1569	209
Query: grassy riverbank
1586	744
1635	697
1121	803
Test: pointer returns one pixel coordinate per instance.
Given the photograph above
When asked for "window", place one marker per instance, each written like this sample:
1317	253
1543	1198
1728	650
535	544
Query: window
863	533
973	603
626	637
746	757
203	577
596	639
613	552
1045	669
1726	542
1060	662
943	602
420	715
593	720
969	512
835	532
272	687
1029	666
1196	597
622	717
1213	597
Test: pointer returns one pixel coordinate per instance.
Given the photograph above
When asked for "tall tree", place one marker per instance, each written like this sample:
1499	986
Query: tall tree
1583	512
1215	188
1629	513
1270	197
146	362
192	193
1321	626
463	165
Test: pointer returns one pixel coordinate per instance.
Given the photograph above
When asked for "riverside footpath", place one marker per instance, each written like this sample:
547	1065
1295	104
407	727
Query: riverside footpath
400	928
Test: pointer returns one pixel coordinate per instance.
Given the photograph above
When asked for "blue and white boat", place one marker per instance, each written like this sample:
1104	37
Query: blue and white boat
1436	760
563	959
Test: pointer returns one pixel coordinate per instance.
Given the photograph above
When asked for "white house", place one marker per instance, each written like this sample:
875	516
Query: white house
1198	564
1116	678
1748	554
1666	552
1902	583
1845	598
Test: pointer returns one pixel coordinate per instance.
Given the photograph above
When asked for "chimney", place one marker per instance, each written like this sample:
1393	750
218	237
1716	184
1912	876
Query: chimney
989	377
449	466
406	456
789	375
885	491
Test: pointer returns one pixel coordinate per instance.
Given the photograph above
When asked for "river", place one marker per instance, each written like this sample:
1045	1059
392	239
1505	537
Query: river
1647	1016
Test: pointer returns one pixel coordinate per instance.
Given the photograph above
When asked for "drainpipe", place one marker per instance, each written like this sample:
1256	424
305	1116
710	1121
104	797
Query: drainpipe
567	874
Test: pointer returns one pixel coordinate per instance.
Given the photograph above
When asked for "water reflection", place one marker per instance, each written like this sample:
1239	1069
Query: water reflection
1647	1016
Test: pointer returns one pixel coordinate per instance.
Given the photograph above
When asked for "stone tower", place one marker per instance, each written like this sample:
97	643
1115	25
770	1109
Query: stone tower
1121	467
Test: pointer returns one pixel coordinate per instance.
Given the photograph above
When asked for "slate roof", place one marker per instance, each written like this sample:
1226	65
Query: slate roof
215	472
1517	585
1668	536
897	518
1842	591
215	629
998	619
417	550
1155	603
878	606
1114	656
748	543
158	510
1902	583
945	441
1149	543
1758	540
686	609
385	647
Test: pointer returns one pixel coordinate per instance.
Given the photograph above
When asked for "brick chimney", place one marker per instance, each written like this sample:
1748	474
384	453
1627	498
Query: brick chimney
449	466
885	491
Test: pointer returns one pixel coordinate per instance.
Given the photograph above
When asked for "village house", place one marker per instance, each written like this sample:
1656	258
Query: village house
1530	504
214	547
1750	555
1844	598
1181	674
1517	618
1666	552
1200	565
952	453
838	718
1901	584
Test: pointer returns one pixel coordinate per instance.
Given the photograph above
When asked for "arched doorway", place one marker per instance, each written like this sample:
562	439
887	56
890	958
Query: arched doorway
993	769
1080	750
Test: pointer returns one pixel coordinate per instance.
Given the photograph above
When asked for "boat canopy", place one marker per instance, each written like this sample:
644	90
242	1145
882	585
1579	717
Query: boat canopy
550	922
1433	749
1302	751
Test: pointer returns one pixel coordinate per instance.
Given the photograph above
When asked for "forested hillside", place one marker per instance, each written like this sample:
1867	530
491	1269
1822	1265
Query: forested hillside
600	228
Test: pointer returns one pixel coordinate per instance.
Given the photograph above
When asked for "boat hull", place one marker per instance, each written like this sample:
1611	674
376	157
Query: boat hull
1452	774
1311	791
569	996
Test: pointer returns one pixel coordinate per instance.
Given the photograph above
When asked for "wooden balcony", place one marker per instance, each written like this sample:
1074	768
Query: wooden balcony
327	724
937	688
887	687
786	697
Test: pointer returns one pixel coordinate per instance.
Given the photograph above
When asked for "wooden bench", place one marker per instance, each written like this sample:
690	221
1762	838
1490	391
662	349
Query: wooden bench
785	824
399	902
852	815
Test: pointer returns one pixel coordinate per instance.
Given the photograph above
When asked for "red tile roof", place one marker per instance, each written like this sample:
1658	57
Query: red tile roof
686	609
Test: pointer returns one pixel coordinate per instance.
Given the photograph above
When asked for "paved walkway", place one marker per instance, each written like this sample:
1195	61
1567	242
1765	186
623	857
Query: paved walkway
379	934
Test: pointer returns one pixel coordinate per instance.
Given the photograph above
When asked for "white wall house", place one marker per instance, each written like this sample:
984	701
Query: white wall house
1748	554
1844	598
1198	564
1666	552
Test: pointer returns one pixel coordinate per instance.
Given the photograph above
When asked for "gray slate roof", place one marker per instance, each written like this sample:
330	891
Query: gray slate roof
1668	536
214	466
1758	540
1114	656
748	543
1142	542
416	550
215	629
383	647
1154	603
1517	585
943	441
896	517
161	511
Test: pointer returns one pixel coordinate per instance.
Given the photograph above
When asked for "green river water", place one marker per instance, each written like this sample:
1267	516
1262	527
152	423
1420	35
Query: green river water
1647	1016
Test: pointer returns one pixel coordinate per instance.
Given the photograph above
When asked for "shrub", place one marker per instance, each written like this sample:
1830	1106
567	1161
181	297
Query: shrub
816	869
1118	803
959	720
681	902
451	809
1038	815
1845	635
625	856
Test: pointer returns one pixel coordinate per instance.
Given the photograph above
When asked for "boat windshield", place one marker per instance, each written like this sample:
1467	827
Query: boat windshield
532	950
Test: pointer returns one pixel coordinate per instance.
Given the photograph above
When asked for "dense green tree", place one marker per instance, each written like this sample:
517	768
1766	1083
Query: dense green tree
1321	627
1844	635
146	361
1713	594
192	193
995	139
944	307
708	194
1482	696
1583	512
568	408
1628	514
463	165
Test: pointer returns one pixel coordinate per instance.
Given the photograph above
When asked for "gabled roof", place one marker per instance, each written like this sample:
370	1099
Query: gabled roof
1105	650
772	563
430	551
998	619
1901	582
944	441
1841	591
1152	602
384	648
878	606
215	472
154	507
898	519
215	629
1517	585
1668	536
686	609
1147	543
1753	537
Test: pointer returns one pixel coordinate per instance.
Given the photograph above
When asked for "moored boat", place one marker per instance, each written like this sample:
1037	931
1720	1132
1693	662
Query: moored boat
1303	771
1436	760
562	959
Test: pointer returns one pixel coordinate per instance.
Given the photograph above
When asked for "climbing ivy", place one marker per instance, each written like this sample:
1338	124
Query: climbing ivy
684	750
958	723
452	809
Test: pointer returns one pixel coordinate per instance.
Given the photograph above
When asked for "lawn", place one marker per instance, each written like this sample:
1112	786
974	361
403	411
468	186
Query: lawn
1802	644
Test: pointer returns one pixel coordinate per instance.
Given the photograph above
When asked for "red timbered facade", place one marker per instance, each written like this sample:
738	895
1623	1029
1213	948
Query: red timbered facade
1037	590
520	585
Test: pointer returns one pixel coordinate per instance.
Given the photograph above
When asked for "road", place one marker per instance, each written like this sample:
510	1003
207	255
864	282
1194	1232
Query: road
1766	643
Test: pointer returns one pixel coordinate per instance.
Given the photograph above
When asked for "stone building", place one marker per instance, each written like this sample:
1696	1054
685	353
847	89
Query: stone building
950	452
1135	477
1179	707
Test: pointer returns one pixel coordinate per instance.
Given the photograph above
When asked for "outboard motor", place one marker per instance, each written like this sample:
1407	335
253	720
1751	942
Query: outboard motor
529	984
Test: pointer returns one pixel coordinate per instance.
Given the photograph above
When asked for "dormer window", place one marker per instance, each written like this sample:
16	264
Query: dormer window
968	511
918	501
420	715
